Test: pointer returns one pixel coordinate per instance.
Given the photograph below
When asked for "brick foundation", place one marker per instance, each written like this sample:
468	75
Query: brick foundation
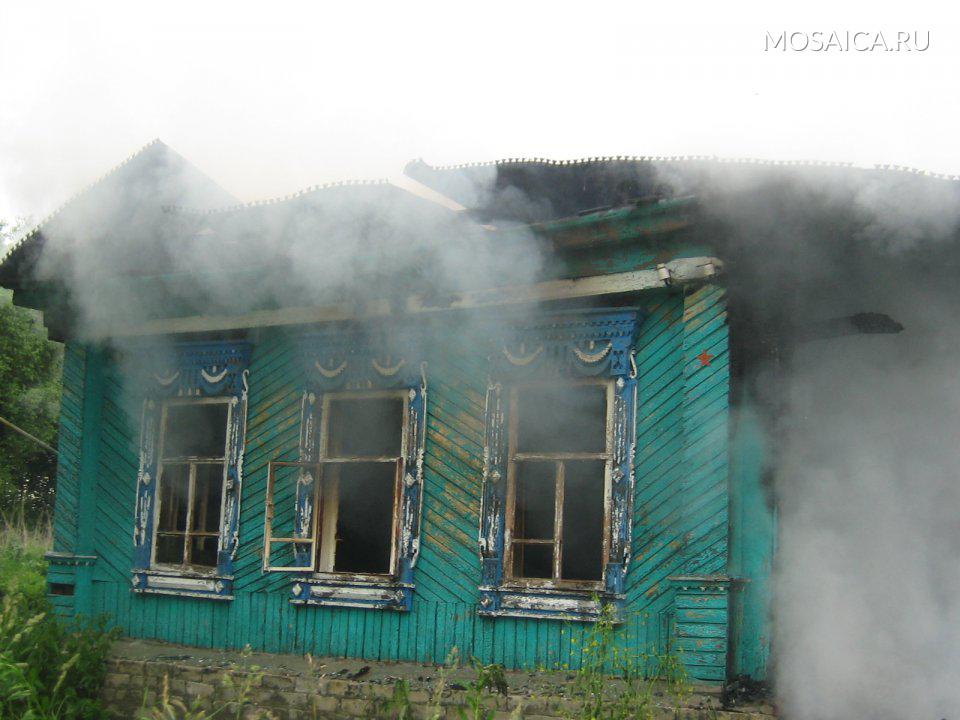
293	688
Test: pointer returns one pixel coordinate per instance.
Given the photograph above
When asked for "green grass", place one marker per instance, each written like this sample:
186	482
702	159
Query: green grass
50	668
22	567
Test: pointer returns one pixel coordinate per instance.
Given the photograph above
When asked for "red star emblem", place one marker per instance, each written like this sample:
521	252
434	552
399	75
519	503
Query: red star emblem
705	358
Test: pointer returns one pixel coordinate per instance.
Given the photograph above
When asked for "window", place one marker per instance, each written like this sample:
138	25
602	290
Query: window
559	460
360	465
190	482
191	461
555	519
344	518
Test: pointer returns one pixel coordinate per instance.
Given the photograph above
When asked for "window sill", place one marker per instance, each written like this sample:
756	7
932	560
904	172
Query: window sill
565	604
183	584
380	594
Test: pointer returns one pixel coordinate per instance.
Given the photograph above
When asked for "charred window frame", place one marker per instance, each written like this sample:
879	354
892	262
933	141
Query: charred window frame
192	431
581	365
190	485
361	441
538	478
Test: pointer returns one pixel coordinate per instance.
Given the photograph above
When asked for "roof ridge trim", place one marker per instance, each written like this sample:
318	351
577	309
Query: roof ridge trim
691	158
86	188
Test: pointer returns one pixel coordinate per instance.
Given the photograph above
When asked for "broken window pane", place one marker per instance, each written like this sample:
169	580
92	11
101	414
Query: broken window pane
195	430
533	561
359	498
561	418
535	485
368	427
364	537
583	497
174	492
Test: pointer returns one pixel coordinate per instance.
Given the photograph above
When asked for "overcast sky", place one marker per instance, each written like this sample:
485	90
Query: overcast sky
270	97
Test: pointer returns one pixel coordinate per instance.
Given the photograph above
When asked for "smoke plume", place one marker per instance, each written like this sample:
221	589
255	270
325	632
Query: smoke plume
863	431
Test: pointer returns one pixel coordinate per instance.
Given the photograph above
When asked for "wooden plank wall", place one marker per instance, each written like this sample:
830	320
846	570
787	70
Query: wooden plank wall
680	503
68	445
68	474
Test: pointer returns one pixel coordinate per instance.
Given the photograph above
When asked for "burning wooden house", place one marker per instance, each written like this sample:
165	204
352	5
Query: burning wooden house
401	464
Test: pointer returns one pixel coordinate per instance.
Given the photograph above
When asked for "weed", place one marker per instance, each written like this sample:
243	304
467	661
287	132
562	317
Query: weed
170	708
22	566
49	669
398	706
617	683
435	708
490	678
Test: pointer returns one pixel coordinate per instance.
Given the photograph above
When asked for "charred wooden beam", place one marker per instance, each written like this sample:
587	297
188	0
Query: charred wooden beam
867	323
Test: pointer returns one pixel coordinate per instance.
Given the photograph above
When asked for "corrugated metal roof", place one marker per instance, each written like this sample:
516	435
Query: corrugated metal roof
543	189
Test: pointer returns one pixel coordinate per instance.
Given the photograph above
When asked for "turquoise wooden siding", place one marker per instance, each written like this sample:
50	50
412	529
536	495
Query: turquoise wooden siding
68	475
680	503
753	541
680	509
68	465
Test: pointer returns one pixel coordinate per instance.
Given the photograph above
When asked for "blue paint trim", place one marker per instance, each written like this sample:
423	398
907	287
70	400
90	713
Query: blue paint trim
588	343
363	358
371	595
353	359
196	369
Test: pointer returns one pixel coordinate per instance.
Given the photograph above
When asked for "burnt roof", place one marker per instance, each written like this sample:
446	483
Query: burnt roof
539	190
534	191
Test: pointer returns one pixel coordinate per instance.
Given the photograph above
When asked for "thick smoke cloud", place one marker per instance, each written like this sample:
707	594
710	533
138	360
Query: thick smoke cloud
156	238
868	593
349	245
863	431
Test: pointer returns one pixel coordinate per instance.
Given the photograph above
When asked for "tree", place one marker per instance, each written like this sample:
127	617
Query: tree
30	369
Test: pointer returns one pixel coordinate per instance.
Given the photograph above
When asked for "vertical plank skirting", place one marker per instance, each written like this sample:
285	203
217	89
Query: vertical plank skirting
702	622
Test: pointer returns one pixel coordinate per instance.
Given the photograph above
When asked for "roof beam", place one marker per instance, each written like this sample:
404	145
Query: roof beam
676	272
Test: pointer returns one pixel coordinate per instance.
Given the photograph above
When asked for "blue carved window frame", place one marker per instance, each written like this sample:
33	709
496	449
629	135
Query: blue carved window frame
190	370
339	363
595	344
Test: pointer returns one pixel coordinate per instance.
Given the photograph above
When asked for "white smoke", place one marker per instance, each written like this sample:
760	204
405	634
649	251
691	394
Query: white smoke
868	592
865	433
